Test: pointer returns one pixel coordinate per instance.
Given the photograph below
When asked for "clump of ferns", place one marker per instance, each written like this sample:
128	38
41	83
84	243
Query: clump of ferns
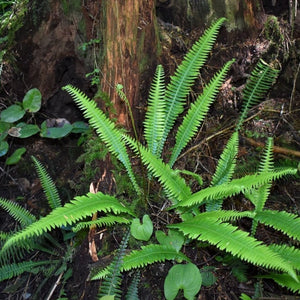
201	215
20	259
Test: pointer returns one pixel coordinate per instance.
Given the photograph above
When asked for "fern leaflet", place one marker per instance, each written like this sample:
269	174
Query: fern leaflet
154	119
48	185
260	81
20	214
150	254
197	112
184	77
231	239
105	128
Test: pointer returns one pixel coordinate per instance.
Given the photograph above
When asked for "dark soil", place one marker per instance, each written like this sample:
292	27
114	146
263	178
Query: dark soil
49	60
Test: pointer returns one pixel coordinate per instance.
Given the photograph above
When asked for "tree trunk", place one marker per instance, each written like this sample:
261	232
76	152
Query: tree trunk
129	50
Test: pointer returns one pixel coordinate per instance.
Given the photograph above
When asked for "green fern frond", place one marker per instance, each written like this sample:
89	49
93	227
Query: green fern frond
19	213
225	169
174	186
227	215
105	128
150	254
234	187
15	269
197	112
108	220
154	119
285	222
185	75
260	195
132	293
231	239
261	79
111	284
289	253
285	280
48	185
77	209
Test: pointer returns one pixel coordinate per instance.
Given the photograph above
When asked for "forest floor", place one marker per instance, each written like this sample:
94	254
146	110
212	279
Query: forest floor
277	116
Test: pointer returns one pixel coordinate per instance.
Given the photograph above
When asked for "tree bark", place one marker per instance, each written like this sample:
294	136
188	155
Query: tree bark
129	49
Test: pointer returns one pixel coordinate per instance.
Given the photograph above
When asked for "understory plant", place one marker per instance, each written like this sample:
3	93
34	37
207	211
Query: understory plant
21	259
200	215
13	125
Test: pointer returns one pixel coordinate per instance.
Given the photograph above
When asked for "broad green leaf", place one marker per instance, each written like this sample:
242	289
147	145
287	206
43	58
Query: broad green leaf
3	148
174	239
79	127
23	130
208	277
15	157
142	231
108	297
3	130
12	114
55	132
183	277
32	100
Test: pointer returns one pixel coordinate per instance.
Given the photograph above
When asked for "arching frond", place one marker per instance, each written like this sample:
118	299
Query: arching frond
105	128
19	213
48	185
234	187
289	253
132	293
262	78
154	119
108	220
173	184
225	169
280	220
285	280
197	112
150	254
111	284
77	209
184	77
231	239
15	269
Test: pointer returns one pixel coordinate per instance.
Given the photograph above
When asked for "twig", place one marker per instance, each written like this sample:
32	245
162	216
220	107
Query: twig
276	149
55	286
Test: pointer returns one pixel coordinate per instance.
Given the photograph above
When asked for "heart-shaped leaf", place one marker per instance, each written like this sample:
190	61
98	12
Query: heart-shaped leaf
12	114
32	100
26	130
142	231
15	157
3	148
174	239
183	277
55	132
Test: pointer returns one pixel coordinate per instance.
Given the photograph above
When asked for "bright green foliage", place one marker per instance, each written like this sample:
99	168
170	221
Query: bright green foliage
20	214
229	238
72	212
183	277
150	254
184	77
15	157
173	184
142	232
106	129
225	169
108	220
197	112
234	187
154	119
174	239
260	81
285	280
48	185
